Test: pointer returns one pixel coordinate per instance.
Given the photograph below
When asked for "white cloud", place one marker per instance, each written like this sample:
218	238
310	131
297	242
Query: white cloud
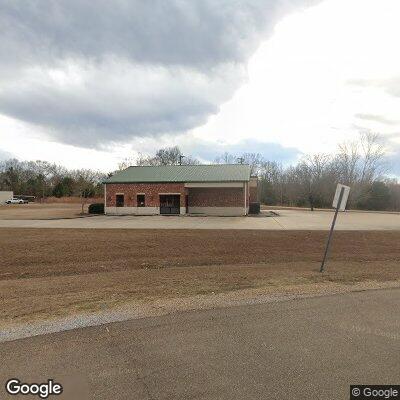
301	90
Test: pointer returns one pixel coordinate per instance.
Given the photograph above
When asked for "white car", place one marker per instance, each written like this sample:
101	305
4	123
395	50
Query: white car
16	201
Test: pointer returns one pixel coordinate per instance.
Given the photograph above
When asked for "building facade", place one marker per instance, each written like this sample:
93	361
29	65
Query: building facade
225	190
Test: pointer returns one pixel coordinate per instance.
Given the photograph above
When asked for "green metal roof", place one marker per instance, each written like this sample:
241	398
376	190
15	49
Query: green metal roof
183	173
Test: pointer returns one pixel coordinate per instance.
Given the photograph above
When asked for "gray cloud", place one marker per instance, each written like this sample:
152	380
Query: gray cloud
155	31
96	72
377	118
99	107
390	86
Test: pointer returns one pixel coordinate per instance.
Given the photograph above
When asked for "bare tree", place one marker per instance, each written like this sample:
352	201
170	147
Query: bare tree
309	174
127	162
347	161
255	160
85	180
373	152
164	156
359	163
226	158
272	182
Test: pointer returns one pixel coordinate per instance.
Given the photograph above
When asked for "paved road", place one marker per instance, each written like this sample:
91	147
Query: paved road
304	349
287	219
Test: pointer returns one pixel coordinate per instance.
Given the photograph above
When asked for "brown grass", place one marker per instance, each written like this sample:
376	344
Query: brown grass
41	211
56	272
73	200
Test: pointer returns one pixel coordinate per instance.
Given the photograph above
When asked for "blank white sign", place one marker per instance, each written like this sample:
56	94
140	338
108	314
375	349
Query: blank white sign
346	192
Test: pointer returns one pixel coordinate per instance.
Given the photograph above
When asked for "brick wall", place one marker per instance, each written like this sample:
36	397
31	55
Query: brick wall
151	190
198	197
216	197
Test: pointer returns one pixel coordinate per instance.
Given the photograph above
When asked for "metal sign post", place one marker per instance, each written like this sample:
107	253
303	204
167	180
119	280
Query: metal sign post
339	203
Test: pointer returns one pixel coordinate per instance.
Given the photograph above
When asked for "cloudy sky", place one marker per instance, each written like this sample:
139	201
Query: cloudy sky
87	83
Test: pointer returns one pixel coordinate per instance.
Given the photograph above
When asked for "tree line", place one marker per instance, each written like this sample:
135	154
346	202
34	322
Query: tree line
310	182
43	179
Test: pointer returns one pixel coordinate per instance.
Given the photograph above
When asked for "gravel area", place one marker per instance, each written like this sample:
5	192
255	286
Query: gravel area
169	306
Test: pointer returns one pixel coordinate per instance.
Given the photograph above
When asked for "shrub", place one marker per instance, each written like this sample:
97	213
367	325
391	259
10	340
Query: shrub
96	208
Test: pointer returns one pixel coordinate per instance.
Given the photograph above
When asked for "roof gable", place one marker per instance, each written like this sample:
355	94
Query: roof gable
183	173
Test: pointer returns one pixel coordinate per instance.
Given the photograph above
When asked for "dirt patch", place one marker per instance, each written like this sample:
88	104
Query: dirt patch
41	211
53	272
51	252
24	299
73	200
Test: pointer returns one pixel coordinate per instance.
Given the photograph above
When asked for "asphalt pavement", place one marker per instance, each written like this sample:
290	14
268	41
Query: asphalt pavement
302	349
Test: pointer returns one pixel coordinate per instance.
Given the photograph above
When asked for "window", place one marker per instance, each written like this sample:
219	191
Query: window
140	200
119	200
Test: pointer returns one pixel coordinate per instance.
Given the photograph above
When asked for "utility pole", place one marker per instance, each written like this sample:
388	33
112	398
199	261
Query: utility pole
181	156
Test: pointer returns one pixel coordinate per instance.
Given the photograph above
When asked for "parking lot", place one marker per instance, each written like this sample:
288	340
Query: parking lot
55	216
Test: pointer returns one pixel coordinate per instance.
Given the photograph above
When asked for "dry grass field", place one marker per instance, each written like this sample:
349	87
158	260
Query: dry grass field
54	272
41	211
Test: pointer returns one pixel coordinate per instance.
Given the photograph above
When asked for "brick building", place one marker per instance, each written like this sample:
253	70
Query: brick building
181	189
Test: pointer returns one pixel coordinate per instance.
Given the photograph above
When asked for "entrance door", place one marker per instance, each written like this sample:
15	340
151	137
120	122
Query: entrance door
170	204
